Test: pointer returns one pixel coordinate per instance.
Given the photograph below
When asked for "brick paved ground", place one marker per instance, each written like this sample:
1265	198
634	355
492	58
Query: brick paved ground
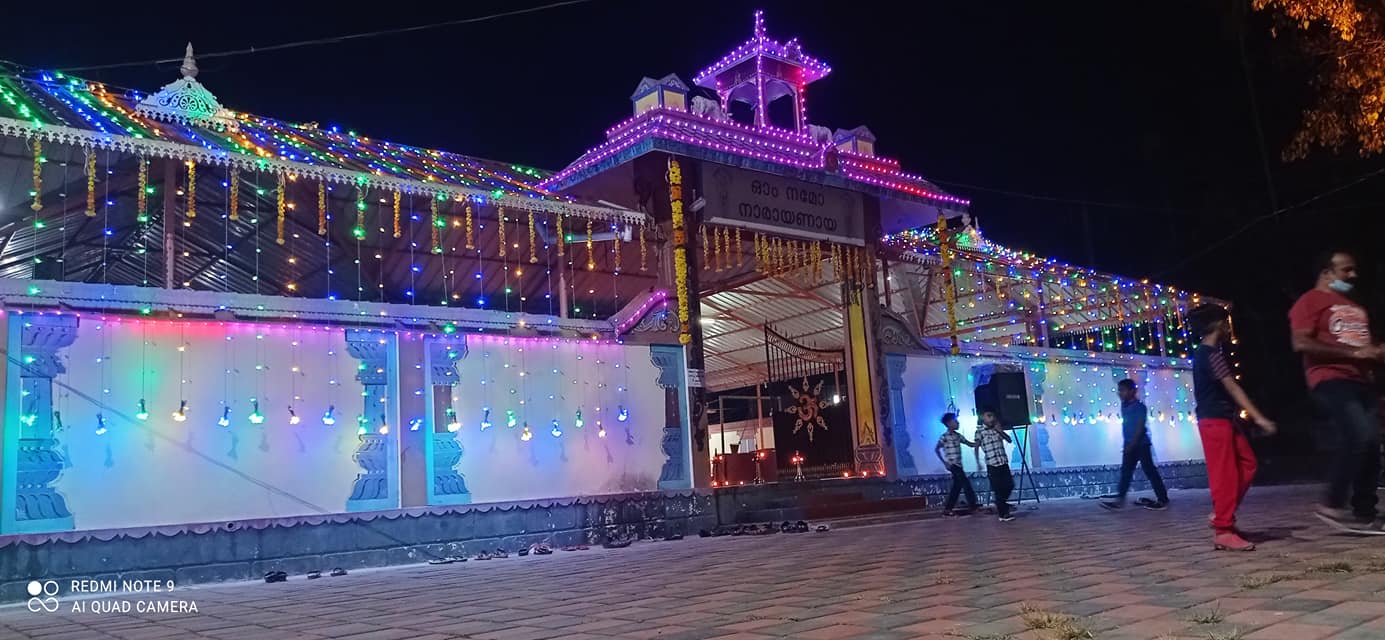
1136	574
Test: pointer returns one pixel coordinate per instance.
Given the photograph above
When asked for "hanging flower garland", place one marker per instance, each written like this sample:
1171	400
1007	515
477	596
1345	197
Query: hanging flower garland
500	217
949	290
91	182
591	259
280	212
616	258
680	248
234	213
37	205
142	196
192	190
815	258
644	253
438	222
561	240
740	257
321	209
706	260
533	246
470	236
757	254
397	232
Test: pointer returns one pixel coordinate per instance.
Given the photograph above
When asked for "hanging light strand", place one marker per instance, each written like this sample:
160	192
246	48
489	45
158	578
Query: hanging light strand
142	195
437	222
192	189
644	252
561	240
321	209
500	219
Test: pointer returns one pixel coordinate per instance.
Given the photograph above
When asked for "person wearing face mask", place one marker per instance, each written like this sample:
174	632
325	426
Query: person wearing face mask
1332	332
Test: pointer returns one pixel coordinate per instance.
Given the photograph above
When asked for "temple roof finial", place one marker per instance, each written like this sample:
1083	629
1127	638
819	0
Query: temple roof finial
189	68
759	25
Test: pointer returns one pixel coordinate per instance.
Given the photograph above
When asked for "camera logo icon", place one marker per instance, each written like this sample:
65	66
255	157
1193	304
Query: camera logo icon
42	596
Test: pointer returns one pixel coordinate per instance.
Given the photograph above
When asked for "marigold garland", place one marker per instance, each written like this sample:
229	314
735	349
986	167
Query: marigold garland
680	249
740	257
558	221
644	255
37	205
470	237
533	246
91	182
437	221
234	196
321	209
142	195
192	190
615	263
706	262
279	218
500	218
397	232
716	248
591	259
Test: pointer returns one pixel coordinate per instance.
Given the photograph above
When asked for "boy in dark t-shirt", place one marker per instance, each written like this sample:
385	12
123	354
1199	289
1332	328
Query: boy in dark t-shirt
1230	460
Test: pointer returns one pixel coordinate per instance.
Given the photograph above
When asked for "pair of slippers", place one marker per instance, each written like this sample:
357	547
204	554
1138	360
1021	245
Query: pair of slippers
447	560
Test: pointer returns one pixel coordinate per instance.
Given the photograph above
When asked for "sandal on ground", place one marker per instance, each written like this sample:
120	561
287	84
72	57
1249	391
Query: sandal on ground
619	543
313	575
441	561
500	553
338	572
800	527
672	537
822	528
483	556
275	576
523	551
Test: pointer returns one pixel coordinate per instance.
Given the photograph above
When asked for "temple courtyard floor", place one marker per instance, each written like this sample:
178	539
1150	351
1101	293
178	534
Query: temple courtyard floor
1068	570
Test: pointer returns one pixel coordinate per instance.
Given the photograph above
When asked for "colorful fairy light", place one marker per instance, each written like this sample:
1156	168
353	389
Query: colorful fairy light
329	417
255	416
622	414
225	419
577	422
526	435
181	415
510	419
101	425
293	417
556	429
485	419
142	413
454	425
600	430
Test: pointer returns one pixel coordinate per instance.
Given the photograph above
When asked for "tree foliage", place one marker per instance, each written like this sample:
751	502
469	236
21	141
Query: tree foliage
1346	39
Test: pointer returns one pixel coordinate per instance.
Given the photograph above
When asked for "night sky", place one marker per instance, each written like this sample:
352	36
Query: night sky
1138	118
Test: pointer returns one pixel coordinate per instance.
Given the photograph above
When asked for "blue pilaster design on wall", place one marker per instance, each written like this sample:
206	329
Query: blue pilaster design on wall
31	460
895	365
446	484
677	469
377	486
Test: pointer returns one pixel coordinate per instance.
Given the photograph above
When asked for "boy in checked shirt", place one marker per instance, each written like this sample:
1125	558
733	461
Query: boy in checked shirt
949	451
991	440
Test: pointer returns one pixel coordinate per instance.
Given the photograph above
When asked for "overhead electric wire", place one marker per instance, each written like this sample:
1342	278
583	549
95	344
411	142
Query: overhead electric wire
335	39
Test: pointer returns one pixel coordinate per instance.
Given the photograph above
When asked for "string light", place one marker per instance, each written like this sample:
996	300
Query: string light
329	417
591	264
101	425
485	419
397	233
322	210
255	416
91	181
142	413
37	204
281	213
181	415
225	419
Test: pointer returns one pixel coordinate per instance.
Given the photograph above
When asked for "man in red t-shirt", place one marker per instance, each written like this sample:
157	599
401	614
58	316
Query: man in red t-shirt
1333	333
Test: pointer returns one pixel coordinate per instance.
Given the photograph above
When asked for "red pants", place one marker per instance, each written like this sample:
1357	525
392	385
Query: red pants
1230	468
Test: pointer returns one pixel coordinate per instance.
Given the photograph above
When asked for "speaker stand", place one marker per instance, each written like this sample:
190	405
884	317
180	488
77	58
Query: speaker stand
1022	439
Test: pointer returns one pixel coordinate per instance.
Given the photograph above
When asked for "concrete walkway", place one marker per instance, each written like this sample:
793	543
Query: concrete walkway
1069	570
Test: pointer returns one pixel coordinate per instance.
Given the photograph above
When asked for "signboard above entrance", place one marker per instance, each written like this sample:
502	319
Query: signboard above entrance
782	206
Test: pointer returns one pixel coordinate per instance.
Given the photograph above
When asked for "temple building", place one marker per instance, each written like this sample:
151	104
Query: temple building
218	317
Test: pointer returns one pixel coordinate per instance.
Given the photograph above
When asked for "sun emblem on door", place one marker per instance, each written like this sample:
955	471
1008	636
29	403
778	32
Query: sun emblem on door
807	408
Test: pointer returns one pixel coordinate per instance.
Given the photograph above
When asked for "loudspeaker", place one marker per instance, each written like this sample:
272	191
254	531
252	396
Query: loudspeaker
1006	393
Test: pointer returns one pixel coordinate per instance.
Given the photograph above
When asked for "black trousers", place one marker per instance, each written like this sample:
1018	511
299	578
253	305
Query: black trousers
1002	483
1143	455
1352	409
960	483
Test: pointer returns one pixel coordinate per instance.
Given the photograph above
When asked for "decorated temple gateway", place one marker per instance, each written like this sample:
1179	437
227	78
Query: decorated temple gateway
218	317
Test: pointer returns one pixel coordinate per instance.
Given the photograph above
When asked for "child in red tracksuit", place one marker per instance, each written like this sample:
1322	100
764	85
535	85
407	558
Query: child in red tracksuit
1230	460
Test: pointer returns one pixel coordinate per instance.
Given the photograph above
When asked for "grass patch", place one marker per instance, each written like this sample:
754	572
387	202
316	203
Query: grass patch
1212	616
1255	582
1234	634
1330	567
1063	626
